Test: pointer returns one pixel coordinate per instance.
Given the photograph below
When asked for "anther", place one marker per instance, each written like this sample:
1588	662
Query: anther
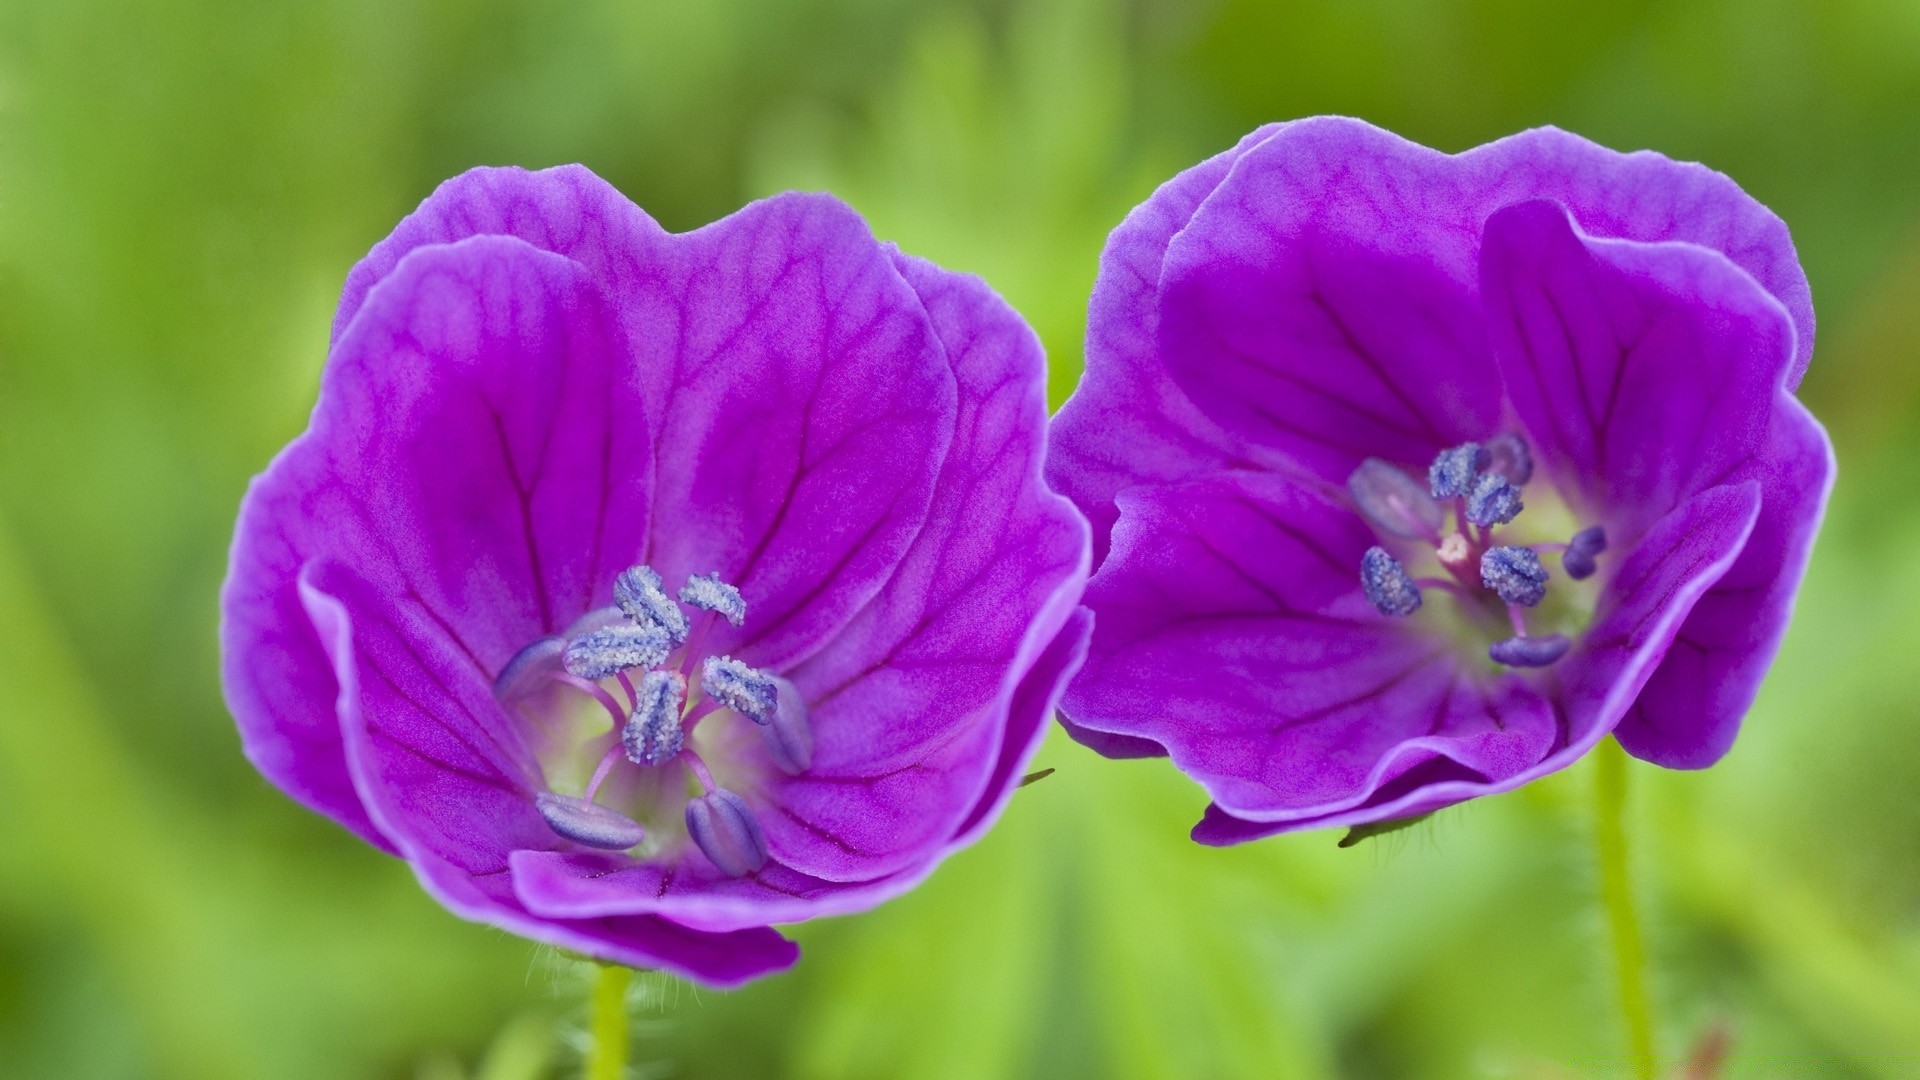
600	653
1530	652
1508	456
789	734
639	592
725	830
747	691
653	735
1387	583
1452	473
1515	574
708	593
1493	501
588	823
529	668
1577	560
1395	503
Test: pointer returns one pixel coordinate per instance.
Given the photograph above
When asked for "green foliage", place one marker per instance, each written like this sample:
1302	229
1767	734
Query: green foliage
184	184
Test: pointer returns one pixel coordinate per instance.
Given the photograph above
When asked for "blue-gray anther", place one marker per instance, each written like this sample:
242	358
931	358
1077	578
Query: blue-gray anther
1515	574
1529	651
1493	501
1578	558
725	830
1508	456
588	823
747	691
641	594
600	653
1387	583
1452	472
708	593
653	734
789	737
1395	503
529	668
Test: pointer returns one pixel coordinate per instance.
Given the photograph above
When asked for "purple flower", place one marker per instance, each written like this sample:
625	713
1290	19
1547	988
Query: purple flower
644	590
1412	475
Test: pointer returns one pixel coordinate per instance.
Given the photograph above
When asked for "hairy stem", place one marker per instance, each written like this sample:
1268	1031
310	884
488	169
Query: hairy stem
1616	895
607	1057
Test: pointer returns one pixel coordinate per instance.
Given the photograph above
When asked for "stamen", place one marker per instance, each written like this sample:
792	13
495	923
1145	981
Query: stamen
1494	501
1529	652
1453	471
1577	560
747	691
600	653
1387	583
1508	456
1515	574
640	593
529	669
725	830
789	736
588	823
708	593
1395	503
653	736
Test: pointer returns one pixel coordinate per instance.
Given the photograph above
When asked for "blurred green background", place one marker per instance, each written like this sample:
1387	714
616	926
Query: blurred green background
183	186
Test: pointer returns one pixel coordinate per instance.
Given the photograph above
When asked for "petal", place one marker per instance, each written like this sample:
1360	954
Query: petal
910	703
477	447
566	210
435	763
1232	630
1320	303
1643	372
809	411
1649	197
1691	709
1127	423
1645	603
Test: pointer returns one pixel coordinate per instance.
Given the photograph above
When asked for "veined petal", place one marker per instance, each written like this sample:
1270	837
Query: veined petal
1643	372
1127	423
477	447
910	703
809	411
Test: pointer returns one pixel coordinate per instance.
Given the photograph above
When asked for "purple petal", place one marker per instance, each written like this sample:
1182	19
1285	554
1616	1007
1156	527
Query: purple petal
1649	597
1687	716
428	466
1127	422
809	412
1643	372
1320	303
436	765
1649	197
910	703
1232	630
566	210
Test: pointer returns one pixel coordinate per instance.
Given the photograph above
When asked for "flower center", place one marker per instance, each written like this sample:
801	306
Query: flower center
1494	578
641	664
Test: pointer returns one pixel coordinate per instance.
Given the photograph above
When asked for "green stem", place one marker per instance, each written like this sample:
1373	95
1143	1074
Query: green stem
1616	894
607	1058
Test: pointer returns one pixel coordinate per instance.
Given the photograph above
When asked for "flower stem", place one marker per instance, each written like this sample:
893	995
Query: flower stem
1616	894
607	1057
